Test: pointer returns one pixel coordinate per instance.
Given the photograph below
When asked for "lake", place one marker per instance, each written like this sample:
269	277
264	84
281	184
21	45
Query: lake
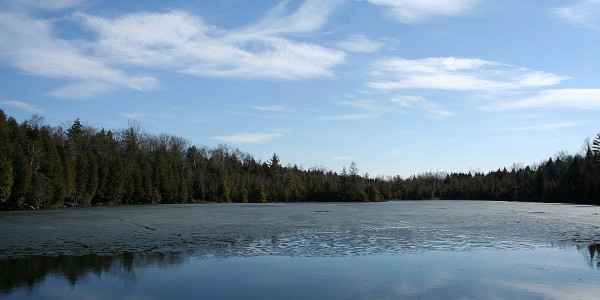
390	250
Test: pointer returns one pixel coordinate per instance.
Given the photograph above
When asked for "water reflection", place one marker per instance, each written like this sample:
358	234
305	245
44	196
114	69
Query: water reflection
27	272
421	250
593	253
544	273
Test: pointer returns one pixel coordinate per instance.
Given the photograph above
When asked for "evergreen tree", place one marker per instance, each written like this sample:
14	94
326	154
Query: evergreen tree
596	147
21	180
42	166
6	178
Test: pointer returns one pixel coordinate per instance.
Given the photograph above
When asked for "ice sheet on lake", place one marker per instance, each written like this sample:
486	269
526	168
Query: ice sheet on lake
305	229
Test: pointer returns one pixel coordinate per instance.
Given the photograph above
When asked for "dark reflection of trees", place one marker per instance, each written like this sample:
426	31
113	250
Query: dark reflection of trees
592	255
594	251
27	272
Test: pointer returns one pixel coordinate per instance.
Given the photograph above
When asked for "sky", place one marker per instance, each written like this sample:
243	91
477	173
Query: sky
399	87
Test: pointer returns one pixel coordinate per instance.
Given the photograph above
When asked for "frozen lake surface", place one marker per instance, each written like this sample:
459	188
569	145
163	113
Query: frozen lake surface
392	250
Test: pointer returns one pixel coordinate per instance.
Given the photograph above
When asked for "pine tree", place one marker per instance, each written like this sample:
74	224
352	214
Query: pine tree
75	130
275	167
596	147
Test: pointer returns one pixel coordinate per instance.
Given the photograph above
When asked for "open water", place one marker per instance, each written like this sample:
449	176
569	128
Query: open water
392	250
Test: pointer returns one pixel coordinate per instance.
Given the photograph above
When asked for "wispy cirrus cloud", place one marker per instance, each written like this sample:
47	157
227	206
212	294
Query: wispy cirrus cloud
583	13
248	138
174	41
397	104
415	11
432	110
181	42
23	106
540	127
364	104
553	98
360	43
29	45
345	117
456	74
310	16
267	107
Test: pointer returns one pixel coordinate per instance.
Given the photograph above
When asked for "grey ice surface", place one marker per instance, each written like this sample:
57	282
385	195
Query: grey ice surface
303	229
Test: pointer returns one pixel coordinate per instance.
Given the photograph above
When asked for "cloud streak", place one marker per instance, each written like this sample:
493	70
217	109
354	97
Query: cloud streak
267	107
247	138
456	74
554	98
360	43
23	106
584	14
181	42
29	45
174	41
360	116
433	110
541	127
415	11
310	16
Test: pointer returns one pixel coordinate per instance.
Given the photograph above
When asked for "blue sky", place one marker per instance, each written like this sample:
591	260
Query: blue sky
397	86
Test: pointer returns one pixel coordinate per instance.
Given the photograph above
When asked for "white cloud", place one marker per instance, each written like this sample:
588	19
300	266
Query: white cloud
408	101
399	103
433	110
182	42
247	138
349	117
414	11
541	127
81	90
360	43
310	16
584	13
174	41
134	116
267	107
29	46
458	74
24	106
555	98
364	104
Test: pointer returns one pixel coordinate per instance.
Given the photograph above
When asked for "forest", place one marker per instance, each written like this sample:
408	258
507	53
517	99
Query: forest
42	166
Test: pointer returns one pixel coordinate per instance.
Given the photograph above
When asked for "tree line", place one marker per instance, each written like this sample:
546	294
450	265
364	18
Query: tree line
42	166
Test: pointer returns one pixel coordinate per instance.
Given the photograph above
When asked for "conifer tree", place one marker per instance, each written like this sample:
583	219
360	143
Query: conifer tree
6	178
596	147
21	180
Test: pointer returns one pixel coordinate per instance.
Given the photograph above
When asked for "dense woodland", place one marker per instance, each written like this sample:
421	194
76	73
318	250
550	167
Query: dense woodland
43	166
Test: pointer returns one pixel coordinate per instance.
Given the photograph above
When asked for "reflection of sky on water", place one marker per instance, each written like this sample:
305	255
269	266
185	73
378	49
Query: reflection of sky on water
540	273
407	250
